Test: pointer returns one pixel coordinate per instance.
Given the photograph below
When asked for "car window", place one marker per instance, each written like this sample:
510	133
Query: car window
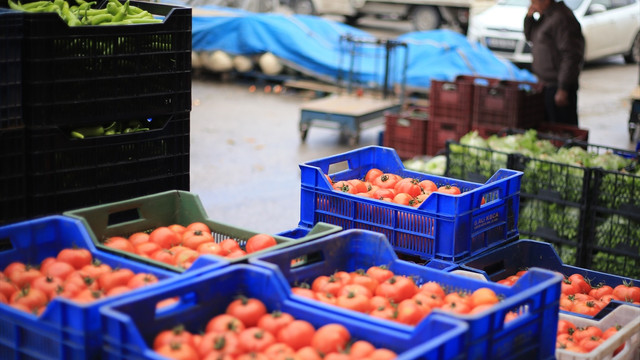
573	4
620	3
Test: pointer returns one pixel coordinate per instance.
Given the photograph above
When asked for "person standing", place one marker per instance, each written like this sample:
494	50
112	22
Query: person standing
557	46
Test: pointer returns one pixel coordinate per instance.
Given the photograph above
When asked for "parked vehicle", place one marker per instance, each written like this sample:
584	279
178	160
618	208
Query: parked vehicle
424	14
610	27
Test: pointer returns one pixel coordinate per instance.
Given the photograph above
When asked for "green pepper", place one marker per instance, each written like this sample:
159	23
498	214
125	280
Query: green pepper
88	131
35	4
112	8
15	6
99	19
121	13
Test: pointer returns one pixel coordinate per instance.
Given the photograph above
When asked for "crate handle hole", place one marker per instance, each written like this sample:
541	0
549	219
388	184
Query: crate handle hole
123	216
171	306
306	260
337	167
494	267
5	244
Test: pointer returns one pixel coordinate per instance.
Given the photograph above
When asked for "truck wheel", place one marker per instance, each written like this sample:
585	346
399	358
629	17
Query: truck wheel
351	19
304	7
425	18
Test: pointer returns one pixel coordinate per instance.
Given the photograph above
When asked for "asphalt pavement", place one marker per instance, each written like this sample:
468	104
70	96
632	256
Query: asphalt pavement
246	147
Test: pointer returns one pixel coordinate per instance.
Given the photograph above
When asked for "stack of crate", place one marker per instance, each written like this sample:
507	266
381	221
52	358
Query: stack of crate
67	79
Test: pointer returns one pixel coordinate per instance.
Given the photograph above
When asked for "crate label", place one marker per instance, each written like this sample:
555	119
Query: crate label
486	220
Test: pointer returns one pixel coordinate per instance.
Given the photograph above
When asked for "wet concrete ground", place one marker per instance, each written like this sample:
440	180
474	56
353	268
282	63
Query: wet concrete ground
246	148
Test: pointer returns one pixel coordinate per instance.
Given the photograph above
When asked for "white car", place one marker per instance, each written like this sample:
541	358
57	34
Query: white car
610	27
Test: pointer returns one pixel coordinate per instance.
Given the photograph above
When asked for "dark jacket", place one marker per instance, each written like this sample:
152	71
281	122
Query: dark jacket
557	46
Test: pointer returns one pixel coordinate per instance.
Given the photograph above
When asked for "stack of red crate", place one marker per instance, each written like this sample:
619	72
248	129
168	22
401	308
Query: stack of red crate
406	132
451	109
507	104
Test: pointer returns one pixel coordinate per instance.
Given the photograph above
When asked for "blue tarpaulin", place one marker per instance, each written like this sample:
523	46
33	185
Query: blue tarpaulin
313	46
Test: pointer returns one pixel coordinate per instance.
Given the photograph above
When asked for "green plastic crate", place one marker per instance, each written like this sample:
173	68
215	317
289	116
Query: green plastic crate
146	213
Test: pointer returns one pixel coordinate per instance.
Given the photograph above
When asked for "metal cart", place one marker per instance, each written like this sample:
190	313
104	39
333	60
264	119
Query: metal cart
363	101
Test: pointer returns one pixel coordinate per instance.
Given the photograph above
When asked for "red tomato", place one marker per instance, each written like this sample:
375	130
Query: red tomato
386	181
345	187
382	354
177	228
296	334
627	292
247	310
48	284
224	322
88	295
194	238
274	321
384	312
76	257
255	339
229	245
568	287
409	312
582	283
354	301
185	258
280	351
449	189
226	343
361	349
599	291
566	327
141	279
330	338
238	253
259	242
210	248
409	186
428	186
397	288
178	351
303	291
23	277
57	268
403	199
432	287
589	308
355	289
199	226
7	288
358	185
95	269
176	335
382	193
138	238
164	237
372	174
32	298
483	296
118	277
361	278
163	256
120	243
380	273
147	248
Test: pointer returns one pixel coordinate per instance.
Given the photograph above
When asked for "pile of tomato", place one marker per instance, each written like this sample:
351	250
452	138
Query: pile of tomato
246	331
179	245
579	296
583	339
392	187
72	274
379	292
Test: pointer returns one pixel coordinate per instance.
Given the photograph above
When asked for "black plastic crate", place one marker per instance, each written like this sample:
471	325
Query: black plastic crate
66	173
558	224
10	69
473	163
82	74
13	193
613	241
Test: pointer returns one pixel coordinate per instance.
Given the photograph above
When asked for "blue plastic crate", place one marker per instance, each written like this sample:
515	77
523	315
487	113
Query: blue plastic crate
507	260
66	329
536	295
131	325
445	227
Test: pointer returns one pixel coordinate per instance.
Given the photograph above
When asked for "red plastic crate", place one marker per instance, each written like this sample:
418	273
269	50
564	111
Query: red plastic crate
511	104
407	132
487	130
561	133
440	130
453	100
